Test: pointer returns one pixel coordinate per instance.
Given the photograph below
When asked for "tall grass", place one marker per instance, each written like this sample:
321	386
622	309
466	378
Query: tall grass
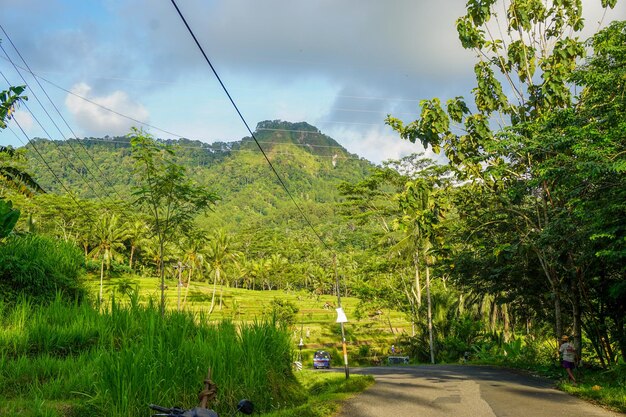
70	359
40	267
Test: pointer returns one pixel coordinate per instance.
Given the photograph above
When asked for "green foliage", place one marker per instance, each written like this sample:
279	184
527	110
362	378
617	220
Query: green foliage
284	311
38	268
9	99
539	35
165	190
12	173
325	390
8	218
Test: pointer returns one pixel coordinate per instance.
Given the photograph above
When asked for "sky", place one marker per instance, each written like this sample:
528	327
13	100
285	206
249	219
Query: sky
340	65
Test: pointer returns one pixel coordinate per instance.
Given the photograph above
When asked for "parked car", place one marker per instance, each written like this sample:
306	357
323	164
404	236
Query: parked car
321	359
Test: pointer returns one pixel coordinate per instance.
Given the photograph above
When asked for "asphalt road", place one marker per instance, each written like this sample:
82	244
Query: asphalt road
467	391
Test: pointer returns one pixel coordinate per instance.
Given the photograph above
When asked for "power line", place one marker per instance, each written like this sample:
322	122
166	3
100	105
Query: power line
60	115
49	168
246	125
152	81
46	132
38	76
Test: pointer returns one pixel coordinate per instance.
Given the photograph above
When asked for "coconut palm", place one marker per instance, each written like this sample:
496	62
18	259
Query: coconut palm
109	234
137	232
192	249
219	252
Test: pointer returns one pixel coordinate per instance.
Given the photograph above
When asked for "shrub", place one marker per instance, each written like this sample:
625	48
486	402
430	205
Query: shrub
284	311
38	268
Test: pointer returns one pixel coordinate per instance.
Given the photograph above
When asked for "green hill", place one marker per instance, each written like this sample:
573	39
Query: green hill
275	240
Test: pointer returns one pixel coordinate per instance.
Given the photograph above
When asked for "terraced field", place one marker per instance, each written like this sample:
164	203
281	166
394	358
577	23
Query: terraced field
369	334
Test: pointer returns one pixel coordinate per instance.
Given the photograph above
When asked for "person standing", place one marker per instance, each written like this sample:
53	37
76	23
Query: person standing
568	354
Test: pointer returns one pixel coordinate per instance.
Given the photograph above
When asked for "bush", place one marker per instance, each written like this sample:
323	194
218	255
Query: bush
284	311
38	268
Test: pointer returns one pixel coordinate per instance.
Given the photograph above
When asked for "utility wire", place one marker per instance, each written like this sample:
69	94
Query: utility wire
50	168
48	134
151	126
60	115
280	180
52	83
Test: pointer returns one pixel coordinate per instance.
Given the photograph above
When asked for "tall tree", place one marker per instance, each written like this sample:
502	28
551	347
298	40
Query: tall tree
533	47
219	252
110	235
166	191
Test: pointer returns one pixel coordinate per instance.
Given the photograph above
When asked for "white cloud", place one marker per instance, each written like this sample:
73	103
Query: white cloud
97	121
376	144
25	120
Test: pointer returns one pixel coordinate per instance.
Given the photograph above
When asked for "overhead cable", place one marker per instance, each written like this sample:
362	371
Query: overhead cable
48	134
280	180
60	115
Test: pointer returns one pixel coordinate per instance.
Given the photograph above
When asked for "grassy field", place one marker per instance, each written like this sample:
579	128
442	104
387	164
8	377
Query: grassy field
369	333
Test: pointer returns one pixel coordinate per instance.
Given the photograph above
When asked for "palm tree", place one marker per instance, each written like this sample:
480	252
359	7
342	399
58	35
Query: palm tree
12	174
219	252
137	232
192	247
421	212
110	236
276	266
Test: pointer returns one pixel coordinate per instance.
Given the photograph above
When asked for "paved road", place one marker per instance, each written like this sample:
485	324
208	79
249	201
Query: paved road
467	391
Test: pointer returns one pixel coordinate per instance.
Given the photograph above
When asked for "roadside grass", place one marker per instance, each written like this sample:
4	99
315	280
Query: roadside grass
603	387
326	391
72	360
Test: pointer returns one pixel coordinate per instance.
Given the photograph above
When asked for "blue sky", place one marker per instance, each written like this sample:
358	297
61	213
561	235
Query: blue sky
341	65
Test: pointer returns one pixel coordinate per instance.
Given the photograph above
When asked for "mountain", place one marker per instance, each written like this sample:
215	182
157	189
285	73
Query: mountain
253	202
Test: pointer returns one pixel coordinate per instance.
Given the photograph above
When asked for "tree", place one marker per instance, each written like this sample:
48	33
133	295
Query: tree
13	175
580	156
422	208
166	192
110	236
9	99
193	257
137	232
536	60
219	252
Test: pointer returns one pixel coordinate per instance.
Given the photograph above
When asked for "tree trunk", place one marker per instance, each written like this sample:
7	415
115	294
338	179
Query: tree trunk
101	277
430	317
576	311
557	315
217	277
162	270
621	334
187	288
132	253
418	288
505	317
180	283
493	315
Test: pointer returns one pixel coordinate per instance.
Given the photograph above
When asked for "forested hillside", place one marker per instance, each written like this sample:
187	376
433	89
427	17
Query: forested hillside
253	211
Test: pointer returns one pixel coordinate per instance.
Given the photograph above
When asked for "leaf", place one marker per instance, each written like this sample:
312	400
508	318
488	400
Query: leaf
8	218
